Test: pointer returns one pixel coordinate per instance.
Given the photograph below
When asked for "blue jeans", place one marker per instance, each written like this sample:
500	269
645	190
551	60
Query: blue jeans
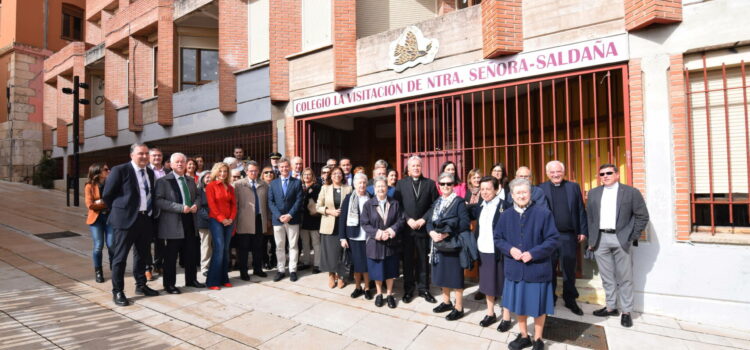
218	270
101	233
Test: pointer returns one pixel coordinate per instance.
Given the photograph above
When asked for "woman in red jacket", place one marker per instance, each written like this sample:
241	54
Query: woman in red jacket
222	208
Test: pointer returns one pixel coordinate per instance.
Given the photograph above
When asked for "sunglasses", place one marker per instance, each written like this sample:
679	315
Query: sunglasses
105	169
267	172
446	184
606	173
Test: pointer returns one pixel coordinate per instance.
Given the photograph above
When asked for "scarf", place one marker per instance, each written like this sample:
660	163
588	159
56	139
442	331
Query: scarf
352	216
441	205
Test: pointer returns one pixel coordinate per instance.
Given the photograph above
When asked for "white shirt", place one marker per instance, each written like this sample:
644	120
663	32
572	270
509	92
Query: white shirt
362	235
608	208
485	242
501	194
182	188
158	173
141	185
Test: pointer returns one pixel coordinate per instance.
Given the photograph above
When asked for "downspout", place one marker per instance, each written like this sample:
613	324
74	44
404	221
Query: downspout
45	25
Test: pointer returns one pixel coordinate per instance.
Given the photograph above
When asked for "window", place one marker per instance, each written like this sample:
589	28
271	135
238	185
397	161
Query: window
199	66
156	65
258	41
717	96
462	4
316	24
72	22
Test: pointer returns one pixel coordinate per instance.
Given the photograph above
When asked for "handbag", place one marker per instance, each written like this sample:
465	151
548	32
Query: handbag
344	267
449	245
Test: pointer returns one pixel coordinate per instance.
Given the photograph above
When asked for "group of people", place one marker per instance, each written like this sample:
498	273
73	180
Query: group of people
374	230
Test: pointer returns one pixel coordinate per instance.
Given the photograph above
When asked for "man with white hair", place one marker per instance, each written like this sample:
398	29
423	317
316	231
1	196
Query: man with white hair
566	203
296	163
177	222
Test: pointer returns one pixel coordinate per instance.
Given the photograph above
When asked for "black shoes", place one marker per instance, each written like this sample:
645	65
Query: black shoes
626	321
99	275
391	301
260	274
145	290
504	326
368	294
443	307
358	292
316	270
303	267
488	320
407	297
479	295
293	276
574	308
455	315
195	284
538	344
244	276
379	300
603	312
520	342
172	290
120	299
427	297
279	276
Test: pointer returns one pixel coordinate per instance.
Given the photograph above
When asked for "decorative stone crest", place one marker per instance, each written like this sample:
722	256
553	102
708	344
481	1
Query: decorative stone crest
410	49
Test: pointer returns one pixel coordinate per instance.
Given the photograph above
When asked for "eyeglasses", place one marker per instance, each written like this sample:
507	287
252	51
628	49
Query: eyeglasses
105	169
236	177
606	173
442	184
267	172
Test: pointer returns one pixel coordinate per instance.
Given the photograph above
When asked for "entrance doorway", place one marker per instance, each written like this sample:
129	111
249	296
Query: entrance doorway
363	137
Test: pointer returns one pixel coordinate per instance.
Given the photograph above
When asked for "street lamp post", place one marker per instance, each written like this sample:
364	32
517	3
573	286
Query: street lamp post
76	129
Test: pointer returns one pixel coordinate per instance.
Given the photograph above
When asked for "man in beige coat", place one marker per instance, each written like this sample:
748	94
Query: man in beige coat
252	213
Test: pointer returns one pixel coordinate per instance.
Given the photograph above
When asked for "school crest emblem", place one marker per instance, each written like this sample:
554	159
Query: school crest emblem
410	49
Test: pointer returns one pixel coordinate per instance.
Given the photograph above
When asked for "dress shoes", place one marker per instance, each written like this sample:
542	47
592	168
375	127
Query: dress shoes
504	326
479	295
538	344
120	299
391	301
316	270
172	290
341	283
267	266
260	274
626	320
488	320
443	307
455	315
99	275
214	288
228	285
279	276
427	297
358	292
195	284
574	308
379	300
293	276
368	294
244	276
520	343
603	312
303	267
407	297
145	290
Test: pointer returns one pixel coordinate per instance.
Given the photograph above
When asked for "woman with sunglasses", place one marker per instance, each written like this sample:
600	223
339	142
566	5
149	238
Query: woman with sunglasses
459	188
97	216
447	219
269	259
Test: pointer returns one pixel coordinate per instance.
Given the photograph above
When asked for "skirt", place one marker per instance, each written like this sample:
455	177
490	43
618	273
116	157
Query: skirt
447	272
359	256
491	274
330	253
528	298
381	270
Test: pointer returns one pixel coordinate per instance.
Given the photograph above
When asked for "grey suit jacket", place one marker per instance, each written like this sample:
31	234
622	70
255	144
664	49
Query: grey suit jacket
631	220
246	205
169	206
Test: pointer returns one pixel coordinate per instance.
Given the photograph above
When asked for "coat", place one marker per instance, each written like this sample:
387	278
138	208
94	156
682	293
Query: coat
371	222
91	195
222	203
415	207
310	222
246	205
575	203
533	231
122	195
325	201
202	213
632	215
281	204
346	232
169	204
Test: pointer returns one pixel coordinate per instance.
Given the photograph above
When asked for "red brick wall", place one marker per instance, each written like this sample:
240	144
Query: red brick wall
115	88
344	44
64	111
640	14
165	71
50	115
681	146
285	14
637	150
502	32
232	50
140	79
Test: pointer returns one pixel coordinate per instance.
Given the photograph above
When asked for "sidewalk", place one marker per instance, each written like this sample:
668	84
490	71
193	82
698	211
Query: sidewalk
49	300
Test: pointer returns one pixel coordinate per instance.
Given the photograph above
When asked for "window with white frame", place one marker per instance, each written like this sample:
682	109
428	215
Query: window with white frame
258	28
316	24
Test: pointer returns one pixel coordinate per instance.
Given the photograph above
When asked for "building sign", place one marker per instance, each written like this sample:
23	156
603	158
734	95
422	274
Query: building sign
562	58
411	49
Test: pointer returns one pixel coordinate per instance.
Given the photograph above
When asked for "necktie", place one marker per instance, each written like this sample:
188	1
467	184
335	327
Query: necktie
255	194
148	192
284	186
185	192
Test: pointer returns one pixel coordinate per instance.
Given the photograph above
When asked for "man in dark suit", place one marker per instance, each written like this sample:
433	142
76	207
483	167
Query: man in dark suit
617	215
416	194
346	166
285	198
566	202
128	193
177	222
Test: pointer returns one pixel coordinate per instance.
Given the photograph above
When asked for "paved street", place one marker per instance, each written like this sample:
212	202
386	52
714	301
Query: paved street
49	300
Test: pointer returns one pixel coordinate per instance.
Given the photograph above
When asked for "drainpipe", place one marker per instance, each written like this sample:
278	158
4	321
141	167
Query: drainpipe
45	25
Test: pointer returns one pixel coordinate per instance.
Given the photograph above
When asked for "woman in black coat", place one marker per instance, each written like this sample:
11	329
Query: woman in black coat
446	220
382	220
